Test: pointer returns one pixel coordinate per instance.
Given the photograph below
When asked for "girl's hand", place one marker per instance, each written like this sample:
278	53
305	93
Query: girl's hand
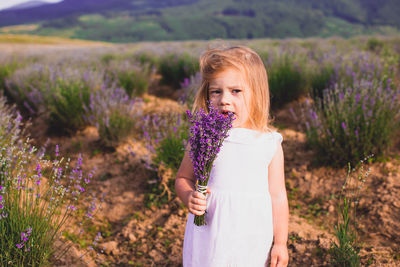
279	256
197	202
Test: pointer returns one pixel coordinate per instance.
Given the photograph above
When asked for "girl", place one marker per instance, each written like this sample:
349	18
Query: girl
247	207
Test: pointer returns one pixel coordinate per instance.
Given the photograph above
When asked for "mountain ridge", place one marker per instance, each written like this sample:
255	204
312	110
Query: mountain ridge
154	20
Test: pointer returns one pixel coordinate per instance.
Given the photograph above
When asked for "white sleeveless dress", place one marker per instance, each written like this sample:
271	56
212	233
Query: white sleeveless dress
239	230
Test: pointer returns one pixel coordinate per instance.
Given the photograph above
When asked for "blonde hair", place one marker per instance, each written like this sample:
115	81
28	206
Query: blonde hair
249	63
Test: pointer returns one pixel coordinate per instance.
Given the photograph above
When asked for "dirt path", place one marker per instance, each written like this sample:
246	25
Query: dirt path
136	233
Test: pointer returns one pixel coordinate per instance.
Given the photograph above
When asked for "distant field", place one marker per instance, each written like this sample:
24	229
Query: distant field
33	39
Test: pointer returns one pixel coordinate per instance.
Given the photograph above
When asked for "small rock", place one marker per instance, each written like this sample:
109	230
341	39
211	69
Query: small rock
331	208
111	247
385	208
156	255
132	238
140	232
295	173
324	242
301	234
300	248
180	212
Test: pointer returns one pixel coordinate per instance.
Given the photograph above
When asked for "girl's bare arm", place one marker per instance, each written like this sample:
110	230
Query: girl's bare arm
185	187
280	209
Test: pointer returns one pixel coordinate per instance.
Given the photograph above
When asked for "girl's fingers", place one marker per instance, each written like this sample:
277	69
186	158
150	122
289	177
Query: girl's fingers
199	195
197	212
274	261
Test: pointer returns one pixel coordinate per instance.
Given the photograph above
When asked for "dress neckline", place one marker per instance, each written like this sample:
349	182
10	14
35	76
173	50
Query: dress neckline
246	136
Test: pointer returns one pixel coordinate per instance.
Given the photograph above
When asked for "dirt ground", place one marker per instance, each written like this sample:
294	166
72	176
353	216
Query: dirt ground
136	233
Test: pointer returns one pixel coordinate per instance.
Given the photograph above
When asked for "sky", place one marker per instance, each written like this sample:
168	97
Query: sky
9	3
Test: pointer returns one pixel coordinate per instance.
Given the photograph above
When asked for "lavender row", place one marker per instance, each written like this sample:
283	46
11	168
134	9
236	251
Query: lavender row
38	197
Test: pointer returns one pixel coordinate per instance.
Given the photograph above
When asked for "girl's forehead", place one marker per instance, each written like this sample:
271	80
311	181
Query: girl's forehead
229	76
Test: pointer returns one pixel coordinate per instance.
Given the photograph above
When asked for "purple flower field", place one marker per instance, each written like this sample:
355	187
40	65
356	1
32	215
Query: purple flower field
92	136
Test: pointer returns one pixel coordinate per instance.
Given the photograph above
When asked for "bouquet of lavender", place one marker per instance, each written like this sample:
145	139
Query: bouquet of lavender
207	132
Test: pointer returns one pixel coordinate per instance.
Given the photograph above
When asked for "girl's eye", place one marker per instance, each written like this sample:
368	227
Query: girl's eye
236	91
215	92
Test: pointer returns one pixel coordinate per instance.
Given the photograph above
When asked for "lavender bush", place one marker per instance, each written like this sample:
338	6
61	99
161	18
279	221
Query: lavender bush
113	113
354	120
69	93
7	67
165	136
174	68
207	133
287	78
25	87
59	92
189	87
133	77
37	197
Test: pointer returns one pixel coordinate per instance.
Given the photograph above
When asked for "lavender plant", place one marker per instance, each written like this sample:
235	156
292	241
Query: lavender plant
353	121
69	93
174	68
10	122
165	136
7	67
345	249
26	87
113	113
287	79
189	88
57	92
133	77
207	133
37	197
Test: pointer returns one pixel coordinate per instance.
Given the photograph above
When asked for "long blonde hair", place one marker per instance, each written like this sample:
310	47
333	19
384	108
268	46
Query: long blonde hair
249	63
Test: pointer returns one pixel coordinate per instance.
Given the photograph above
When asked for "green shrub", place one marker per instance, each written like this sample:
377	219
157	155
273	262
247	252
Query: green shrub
175	68
134	78
66	104
374	44
166	137
320	80
113	113
170	151
6	69
146	58
287	81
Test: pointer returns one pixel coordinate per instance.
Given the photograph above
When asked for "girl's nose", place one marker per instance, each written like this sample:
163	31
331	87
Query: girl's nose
225	98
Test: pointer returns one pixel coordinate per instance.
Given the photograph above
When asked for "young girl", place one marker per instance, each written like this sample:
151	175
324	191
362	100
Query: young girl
246	204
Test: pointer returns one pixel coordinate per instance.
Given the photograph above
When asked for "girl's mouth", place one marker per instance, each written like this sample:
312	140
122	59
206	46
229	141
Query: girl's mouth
226	113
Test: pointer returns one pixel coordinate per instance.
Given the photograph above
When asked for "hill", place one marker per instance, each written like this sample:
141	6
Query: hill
136	20
29	4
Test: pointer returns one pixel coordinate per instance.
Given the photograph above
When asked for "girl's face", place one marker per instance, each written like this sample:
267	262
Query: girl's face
228	91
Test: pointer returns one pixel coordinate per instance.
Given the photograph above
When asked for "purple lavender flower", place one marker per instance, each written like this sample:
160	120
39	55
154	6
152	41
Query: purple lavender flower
24	237
207	134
